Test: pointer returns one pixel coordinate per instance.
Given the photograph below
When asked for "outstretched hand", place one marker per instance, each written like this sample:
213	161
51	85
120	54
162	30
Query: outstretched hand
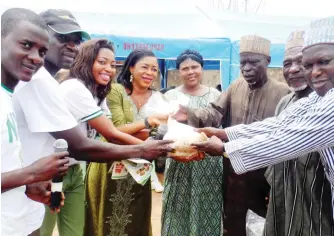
157	120
214	146
156	148
210	131
182	114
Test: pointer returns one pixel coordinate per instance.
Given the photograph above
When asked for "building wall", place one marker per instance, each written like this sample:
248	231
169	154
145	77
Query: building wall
276	74
211	78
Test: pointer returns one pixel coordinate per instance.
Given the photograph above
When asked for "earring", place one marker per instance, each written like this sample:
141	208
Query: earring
131	78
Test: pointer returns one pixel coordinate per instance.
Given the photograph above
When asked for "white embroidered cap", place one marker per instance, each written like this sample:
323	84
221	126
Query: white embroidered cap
320	32
255	44
295	39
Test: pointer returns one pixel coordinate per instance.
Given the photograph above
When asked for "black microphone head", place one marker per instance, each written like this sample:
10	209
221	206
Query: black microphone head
162	129
60	145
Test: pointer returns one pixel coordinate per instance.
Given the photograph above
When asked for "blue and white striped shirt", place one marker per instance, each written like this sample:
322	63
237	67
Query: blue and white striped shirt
267	125
306	126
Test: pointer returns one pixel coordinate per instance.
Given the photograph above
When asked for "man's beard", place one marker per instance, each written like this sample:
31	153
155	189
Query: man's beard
300	88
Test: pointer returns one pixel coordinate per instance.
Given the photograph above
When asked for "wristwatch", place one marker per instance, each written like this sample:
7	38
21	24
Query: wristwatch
147	125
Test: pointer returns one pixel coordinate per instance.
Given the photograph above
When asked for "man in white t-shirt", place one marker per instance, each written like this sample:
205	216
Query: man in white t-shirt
24	42
43	116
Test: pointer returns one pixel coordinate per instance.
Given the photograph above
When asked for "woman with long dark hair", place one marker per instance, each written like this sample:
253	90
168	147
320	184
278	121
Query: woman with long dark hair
84	90
88	85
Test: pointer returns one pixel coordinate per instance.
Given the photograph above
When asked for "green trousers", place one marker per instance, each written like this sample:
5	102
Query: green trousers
70	220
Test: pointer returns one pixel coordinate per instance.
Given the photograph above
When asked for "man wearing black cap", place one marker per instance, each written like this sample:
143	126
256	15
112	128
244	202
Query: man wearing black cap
65	35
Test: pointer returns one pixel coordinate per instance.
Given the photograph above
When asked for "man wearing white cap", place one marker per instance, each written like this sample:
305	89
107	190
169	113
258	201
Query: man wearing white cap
251	98
297	185
305	126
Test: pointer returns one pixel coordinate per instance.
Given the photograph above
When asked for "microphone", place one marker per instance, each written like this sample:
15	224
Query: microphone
60	145
161	161
162	130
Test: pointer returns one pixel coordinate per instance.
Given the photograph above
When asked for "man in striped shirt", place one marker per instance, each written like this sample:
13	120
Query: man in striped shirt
305	126
299	190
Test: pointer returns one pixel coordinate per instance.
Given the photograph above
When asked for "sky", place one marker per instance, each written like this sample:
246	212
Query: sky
311	8
138	18
105	5
144	18
307	8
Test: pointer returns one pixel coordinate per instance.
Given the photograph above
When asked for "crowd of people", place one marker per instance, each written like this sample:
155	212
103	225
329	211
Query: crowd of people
270	146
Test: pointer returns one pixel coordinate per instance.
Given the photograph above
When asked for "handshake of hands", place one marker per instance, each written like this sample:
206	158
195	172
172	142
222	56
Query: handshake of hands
213	146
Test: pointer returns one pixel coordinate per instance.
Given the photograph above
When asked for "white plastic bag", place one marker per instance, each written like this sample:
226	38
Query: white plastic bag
174	105
254	224
183	136
161	106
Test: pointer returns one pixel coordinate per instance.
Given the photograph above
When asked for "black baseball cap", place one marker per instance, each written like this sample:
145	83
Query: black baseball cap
63	22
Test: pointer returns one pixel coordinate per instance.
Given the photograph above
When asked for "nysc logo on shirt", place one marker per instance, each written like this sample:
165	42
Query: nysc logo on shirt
12	128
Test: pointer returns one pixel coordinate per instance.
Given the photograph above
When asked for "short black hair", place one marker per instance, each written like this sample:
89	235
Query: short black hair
11	17
189	54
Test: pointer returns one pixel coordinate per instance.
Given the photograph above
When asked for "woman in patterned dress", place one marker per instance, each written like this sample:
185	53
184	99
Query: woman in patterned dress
193	195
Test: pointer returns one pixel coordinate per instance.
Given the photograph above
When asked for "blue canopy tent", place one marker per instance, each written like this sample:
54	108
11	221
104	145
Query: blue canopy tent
167	50
276	53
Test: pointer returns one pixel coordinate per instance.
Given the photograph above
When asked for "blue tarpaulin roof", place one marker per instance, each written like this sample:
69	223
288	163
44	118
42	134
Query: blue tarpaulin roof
211	49
208	65
219	53
163	48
